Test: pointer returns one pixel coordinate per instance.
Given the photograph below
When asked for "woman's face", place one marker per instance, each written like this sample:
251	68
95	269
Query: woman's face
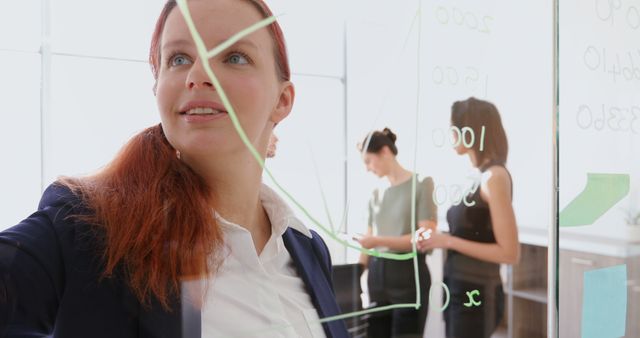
193	116
375	163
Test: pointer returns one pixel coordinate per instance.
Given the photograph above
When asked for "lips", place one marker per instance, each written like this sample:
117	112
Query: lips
201	111
194	108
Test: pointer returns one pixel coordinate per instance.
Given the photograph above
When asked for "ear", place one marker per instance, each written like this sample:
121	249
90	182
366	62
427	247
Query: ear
285	102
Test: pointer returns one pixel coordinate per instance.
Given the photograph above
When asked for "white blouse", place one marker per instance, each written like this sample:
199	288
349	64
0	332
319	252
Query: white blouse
259	296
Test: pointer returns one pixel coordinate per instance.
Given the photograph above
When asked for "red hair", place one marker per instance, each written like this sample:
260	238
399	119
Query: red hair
280	47
156	215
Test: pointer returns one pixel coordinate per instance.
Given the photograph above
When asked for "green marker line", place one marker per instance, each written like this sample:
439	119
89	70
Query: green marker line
236	37
416	18
415	155
200	46
446	302
202	51
345	214
223	96
472	300
388	84
364	312
370	252
324	199
332	318
600	194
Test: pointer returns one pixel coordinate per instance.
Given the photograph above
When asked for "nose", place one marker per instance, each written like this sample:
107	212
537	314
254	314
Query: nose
197	77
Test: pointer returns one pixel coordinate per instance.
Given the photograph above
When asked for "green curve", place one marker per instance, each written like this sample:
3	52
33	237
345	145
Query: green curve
202	51
204	56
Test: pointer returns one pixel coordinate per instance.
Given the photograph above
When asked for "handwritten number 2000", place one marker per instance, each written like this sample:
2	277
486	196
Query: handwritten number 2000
468	19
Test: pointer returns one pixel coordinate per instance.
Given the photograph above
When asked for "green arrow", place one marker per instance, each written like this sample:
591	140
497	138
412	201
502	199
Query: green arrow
602	192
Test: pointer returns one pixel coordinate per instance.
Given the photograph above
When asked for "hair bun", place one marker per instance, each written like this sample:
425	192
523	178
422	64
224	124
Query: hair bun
388	133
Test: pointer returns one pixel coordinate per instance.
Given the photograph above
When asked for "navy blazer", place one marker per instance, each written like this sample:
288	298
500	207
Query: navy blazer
50	282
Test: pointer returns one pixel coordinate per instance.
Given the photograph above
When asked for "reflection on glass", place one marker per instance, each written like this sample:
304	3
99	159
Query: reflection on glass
599	81
392	220
482	225
379	63
158	213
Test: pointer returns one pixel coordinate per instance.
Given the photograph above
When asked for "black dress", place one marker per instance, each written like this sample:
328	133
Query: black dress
472	313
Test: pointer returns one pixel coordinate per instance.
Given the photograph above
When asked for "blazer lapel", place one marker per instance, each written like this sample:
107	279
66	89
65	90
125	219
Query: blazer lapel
319	288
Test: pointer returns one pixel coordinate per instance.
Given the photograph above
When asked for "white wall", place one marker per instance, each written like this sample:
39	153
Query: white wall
20	166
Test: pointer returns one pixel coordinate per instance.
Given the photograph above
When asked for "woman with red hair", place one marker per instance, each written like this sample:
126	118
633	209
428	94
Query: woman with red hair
177	236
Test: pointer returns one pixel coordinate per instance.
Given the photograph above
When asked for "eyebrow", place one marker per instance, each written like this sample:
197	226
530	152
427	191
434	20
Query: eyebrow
245	43
183	43
176	43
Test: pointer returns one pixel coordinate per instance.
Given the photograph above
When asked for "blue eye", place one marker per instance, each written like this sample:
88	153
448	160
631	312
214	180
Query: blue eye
179	60
237	59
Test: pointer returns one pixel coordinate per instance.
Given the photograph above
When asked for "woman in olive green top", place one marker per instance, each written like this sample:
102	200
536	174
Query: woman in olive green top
390	229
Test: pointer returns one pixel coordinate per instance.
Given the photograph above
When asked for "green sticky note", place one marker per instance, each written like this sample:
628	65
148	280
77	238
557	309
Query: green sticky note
604	303
602	192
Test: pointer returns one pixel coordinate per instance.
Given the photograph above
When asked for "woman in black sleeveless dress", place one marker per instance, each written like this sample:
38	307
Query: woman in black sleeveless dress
483	232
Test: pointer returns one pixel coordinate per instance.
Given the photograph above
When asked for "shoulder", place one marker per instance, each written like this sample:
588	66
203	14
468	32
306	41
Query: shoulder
425	187
496	179
41	243
49	232
56	204
427	181
320	244
59	204
58	197
496	174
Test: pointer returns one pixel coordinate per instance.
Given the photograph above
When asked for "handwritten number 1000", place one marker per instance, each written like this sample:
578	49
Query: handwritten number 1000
465	136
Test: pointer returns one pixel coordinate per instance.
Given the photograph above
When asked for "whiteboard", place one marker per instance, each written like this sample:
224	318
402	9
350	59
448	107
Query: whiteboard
353	72
599	108
501	52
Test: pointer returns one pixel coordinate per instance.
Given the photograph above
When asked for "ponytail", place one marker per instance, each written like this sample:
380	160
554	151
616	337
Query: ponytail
156	215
